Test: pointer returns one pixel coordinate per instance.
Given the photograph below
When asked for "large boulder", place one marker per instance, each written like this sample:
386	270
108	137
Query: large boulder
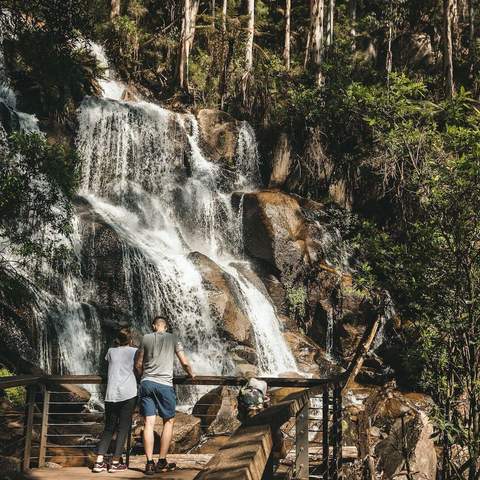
223	299
186	432
275	230
217	410
409	440
218	135
393	429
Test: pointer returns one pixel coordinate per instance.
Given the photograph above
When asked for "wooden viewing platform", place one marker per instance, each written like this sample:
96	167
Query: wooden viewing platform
254	451
189	466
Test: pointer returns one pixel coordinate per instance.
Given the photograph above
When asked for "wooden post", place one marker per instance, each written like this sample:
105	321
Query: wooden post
338	438
44	427
268	472
334	434
301	443
28	427
325	433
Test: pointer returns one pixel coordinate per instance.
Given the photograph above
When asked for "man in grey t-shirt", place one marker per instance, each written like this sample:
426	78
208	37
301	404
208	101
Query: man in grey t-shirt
154	364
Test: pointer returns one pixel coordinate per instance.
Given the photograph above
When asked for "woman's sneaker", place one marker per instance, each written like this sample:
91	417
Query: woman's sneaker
117	467
164	466
99	467
150	468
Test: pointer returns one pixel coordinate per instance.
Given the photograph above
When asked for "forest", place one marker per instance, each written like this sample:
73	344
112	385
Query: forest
367	107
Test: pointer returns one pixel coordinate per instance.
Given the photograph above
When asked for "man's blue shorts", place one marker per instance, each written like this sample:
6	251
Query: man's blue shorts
157	399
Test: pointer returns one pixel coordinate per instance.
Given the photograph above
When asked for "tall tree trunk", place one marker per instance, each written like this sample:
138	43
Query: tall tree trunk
389	61
115	9
188	33
330	21
471	43
286	49
448	12
213	13
317	12
352	11
224	15
249	47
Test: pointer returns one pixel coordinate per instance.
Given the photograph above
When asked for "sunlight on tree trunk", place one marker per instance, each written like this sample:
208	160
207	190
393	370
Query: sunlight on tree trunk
448	11
188	33
224	15
352	12
316	37
249	47
286	49
330	22
115	9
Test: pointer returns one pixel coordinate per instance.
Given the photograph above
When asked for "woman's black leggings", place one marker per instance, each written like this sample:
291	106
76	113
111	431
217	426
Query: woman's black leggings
118	417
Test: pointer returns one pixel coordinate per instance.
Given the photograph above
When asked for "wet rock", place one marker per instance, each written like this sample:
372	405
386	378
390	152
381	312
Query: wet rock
222	297
217	410
311	359
248	354
18	347
8	118
275	230
218	135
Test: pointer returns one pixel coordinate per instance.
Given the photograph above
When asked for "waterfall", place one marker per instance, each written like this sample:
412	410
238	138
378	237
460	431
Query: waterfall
145	175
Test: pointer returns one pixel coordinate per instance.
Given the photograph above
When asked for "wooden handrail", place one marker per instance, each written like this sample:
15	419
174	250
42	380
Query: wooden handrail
23	380
19	381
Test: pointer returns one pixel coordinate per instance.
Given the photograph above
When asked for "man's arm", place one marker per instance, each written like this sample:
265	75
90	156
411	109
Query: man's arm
139	363
185	363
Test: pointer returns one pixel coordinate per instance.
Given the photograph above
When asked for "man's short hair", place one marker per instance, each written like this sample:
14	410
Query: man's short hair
161	320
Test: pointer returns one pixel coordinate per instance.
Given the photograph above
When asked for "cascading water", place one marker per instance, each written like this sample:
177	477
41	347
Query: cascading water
145	175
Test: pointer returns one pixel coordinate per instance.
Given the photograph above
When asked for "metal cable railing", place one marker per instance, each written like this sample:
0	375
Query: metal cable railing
58	426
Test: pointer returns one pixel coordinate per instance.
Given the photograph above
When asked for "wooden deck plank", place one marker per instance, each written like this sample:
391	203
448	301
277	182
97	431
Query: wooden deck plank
243	457
83	473
188	467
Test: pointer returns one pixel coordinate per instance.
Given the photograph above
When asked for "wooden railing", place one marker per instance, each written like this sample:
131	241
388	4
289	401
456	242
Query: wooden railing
252	449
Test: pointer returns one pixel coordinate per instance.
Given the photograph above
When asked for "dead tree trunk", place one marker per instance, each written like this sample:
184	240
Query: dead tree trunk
361	353
115	9
448	13
188	33
286	48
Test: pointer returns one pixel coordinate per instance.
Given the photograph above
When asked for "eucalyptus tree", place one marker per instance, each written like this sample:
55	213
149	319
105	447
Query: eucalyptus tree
190	10
286	47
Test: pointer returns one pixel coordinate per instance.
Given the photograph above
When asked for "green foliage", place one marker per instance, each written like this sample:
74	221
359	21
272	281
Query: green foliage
16	395
430	262
37	182
43	57
296	298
